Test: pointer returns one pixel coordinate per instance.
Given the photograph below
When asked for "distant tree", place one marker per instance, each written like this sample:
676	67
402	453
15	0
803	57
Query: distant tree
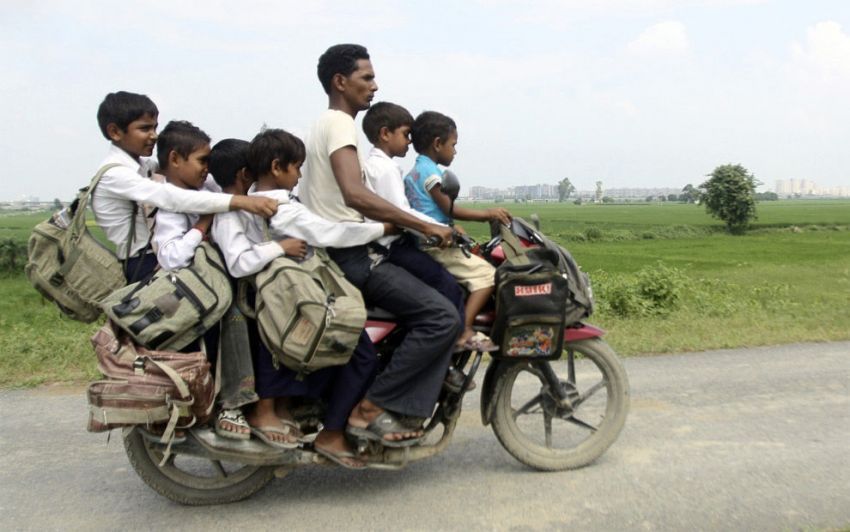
767	196
57	204
578	201
672	197
565	188
598	197
607	199
690	193
649	199
728	195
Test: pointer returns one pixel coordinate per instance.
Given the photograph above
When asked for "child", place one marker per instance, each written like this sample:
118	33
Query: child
275	158
387	126
182	153
434	138
228	164
129	122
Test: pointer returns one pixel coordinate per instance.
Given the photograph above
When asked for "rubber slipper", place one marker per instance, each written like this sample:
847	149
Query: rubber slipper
234	417
297	432
384	424
260	432
339	458
454	380
480	342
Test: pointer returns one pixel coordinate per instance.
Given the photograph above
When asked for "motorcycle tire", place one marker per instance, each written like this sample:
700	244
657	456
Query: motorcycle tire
585	431
190	480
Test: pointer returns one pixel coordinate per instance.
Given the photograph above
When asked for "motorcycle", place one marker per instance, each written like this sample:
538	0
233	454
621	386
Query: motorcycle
548	414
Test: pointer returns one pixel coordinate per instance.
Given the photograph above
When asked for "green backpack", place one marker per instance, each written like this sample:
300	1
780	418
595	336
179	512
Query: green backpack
310	317
68	266
171	309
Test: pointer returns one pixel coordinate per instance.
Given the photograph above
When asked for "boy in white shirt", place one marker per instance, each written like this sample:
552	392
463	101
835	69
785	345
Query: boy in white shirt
228	162
387	126
182	151
275	158
129	122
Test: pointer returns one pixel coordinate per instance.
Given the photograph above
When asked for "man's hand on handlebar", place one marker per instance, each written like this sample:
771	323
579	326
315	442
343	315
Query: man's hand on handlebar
440	234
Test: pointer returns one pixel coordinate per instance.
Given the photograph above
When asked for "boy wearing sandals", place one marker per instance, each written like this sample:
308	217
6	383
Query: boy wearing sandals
275	158
434	138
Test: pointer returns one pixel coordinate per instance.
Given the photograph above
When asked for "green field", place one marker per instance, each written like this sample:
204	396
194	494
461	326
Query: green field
786	280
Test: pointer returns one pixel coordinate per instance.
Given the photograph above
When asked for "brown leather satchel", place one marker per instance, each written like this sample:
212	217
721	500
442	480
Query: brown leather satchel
144	387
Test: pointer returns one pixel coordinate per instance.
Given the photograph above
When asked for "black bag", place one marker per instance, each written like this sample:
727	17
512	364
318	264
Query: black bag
530	310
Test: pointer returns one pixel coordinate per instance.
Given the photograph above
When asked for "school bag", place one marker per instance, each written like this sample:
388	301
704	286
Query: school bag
170	309
309	316
68	266
156	389
539	291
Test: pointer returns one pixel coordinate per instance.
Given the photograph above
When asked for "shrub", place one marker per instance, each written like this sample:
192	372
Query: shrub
13	255
593	233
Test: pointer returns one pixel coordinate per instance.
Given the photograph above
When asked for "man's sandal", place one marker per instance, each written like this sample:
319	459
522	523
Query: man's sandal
383	425
263	434
235	418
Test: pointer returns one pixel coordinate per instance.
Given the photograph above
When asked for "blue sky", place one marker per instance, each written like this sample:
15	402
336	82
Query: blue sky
639	93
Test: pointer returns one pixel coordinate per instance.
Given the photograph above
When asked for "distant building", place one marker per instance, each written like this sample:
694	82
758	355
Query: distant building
806	187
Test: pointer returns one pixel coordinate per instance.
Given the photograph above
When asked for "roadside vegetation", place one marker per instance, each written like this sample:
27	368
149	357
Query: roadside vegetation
666	276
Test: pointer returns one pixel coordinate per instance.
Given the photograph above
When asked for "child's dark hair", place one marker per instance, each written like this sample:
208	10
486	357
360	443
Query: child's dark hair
339	59
227	157
180	136
121	108
274	144
384	114
428	126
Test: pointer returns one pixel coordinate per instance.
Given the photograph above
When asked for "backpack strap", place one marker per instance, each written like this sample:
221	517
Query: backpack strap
511	246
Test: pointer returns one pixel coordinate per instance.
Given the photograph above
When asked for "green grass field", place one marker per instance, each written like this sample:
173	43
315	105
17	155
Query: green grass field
787	280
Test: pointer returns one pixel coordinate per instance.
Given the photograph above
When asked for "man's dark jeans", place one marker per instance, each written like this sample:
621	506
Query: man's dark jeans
411	382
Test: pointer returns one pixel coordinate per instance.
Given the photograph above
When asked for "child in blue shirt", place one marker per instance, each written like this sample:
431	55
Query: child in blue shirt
434	139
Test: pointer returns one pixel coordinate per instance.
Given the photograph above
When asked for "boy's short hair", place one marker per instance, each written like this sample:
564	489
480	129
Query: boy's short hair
227	157
121	108
180	136
428	126
339	59
274	144
384	114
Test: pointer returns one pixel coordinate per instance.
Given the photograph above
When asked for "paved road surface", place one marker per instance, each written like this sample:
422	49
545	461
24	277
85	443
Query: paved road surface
753	439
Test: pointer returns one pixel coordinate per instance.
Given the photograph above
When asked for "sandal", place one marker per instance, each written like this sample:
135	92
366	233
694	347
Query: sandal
478	342
262	433
340	458
295	430
384	424
236	419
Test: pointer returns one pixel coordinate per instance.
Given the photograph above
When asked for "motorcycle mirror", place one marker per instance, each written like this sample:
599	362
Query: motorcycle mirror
450	185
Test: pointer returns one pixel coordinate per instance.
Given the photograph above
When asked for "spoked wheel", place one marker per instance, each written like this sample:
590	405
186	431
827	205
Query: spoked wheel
191	478
550	434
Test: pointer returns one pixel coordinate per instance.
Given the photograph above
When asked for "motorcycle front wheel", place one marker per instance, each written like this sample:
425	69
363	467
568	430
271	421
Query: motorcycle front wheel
551	435
190	479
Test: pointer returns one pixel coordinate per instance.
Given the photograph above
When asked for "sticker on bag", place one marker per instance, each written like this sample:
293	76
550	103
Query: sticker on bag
533	290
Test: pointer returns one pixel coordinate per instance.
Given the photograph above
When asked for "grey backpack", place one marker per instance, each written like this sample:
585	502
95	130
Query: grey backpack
171	309
310	317
68	266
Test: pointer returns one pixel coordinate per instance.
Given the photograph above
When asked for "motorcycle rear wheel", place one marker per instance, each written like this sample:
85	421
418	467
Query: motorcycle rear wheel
193	480
539	432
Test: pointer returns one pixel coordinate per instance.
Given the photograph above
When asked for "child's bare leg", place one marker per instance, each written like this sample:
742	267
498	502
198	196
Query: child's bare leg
474	304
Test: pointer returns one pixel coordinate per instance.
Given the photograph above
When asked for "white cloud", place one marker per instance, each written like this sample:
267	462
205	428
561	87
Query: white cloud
668	39
825	54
